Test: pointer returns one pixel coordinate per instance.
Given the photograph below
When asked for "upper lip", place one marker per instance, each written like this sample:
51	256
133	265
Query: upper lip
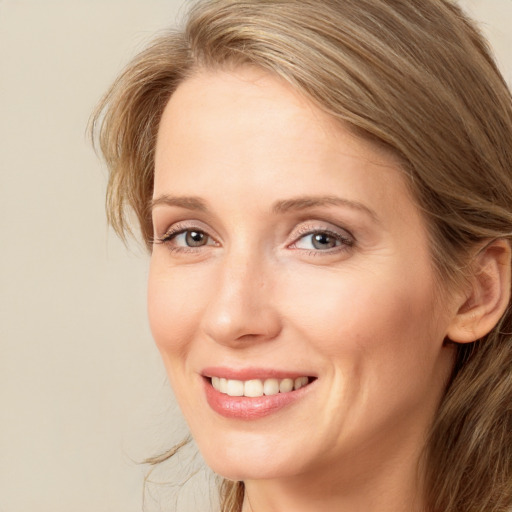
252	373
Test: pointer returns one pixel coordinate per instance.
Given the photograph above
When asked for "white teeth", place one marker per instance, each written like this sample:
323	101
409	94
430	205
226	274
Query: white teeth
253	388
286	385
271	387
256	387
300	382
235	388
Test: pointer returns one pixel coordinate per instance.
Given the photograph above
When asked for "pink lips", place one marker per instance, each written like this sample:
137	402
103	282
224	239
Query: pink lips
249	373
246	408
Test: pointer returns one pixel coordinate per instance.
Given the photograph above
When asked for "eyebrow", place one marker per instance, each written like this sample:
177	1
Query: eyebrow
189	203
280	207
307	202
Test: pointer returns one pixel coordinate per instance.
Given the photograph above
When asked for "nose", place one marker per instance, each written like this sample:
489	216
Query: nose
241	309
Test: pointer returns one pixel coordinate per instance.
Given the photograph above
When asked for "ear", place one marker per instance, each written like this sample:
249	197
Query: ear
488	294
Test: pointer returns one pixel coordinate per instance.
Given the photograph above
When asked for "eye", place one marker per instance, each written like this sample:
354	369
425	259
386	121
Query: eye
319	241
191	238
323	240
183	239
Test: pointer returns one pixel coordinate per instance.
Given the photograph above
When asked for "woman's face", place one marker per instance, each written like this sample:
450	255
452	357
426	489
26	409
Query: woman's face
290	253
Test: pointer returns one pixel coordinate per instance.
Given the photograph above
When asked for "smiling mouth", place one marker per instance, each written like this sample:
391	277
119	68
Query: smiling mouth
255	388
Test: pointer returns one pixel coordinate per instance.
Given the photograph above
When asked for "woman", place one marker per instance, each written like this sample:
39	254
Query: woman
325	189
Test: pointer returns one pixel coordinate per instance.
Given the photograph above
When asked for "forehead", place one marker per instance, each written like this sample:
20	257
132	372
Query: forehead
251	112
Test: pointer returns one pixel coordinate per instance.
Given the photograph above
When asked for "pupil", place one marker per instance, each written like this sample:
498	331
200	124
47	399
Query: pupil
195	238
323	241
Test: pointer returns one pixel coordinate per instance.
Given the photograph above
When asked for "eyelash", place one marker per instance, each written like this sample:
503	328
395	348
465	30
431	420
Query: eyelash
346	241
174	232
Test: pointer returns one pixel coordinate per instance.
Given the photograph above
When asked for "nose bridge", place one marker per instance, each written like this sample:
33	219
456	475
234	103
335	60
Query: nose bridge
240	307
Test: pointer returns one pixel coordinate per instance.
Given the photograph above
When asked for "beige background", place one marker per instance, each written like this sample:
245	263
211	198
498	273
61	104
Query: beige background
82	392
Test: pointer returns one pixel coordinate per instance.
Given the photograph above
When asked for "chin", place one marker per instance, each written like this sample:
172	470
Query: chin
242	470
247	459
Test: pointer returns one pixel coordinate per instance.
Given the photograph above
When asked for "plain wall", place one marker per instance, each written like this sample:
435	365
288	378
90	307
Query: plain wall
83	394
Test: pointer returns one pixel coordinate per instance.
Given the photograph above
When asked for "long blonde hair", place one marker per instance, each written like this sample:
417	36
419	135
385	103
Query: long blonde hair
413	75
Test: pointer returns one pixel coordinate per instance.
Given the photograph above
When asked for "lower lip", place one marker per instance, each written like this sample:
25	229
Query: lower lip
246	408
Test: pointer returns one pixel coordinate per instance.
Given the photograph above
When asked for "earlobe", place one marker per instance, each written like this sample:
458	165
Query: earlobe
488	294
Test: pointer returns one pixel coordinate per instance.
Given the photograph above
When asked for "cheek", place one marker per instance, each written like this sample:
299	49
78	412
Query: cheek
380	347
376	315
173	308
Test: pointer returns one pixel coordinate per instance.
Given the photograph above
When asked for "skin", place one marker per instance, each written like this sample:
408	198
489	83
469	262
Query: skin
364	317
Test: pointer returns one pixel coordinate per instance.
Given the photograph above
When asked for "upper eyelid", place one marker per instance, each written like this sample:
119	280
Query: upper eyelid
321	227
184	225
